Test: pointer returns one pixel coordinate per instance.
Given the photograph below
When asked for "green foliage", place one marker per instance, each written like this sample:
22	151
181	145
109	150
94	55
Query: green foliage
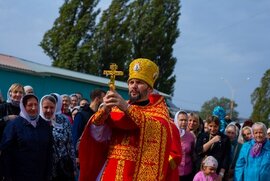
153	32
209	106
111	41
128	29
74	27
260	99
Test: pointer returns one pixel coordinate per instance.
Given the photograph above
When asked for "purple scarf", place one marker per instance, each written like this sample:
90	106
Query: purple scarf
256	149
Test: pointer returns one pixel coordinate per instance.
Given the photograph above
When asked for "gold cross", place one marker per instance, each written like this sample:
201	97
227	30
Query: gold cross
113	72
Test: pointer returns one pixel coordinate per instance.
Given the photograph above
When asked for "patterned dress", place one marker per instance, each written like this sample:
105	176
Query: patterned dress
62	142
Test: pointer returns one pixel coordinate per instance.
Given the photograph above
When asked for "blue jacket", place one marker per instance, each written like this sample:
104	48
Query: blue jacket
253	169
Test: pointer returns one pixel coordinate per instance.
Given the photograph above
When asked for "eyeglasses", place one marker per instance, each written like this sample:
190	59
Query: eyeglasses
184	120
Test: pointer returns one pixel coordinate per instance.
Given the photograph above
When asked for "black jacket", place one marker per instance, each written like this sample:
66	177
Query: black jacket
220	150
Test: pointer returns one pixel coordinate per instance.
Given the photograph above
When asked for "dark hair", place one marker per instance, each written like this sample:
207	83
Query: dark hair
26	97
248	122
211	119
96	93
84	99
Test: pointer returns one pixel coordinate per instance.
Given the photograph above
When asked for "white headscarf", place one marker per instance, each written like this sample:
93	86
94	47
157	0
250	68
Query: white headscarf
41	112
181	131
58	103
210	161
24	114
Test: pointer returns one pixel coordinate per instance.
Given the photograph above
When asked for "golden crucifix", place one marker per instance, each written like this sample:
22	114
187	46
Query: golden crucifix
113	72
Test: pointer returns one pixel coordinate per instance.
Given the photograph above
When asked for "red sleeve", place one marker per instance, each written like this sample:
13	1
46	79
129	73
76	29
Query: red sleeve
121	120
175	154
92	155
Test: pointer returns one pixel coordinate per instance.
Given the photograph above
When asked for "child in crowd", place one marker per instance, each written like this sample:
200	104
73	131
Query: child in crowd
208	170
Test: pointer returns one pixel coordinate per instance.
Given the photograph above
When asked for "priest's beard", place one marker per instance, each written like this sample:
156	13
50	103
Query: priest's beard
141	96
135	98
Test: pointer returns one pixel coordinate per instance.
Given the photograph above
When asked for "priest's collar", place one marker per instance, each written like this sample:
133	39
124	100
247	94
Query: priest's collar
142	103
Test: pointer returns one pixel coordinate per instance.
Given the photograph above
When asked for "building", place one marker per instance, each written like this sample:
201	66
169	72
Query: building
47	79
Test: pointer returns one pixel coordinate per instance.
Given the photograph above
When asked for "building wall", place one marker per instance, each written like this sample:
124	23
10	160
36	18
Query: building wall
44	84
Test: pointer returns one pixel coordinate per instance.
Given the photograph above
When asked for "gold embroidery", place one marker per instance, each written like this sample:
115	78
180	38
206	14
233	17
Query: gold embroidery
123	152
151	152
98	118
120	170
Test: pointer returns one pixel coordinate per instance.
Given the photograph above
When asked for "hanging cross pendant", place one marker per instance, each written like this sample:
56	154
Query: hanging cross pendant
112	73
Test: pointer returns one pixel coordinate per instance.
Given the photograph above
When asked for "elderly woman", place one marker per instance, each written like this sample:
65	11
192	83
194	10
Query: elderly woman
185	169
27	144
254	159
232	131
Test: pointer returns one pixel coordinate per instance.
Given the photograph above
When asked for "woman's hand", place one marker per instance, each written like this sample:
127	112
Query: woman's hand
215	139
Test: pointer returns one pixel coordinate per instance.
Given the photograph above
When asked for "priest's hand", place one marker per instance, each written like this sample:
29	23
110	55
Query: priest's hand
112	98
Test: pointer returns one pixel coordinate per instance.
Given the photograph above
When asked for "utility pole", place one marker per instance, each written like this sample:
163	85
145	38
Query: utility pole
232	90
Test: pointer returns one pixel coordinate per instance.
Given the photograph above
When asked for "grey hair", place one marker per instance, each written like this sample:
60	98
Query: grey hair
259	125
232	124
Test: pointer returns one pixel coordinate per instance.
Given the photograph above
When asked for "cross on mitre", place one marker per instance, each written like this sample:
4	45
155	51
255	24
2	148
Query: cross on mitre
112	73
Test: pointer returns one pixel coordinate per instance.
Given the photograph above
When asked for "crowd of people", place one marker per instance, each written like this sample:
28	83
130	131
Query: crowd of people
69	137
223	149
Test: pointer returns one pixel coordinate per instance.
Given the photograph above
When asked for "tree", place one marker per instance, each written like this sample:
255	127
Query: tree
111	42
153	33
260	100
74	26
209	106
128	29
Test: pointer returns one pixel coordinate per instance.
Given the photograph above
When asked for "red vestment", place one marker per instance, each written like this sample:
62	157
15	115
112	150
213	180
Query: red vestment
175	154
140	147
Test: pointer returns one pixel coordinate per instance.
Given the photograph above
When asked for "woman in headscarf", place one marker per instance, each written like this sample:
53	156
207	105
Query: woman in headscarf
245	134
11	109
27	144
185	169
254	159
64	162
232	131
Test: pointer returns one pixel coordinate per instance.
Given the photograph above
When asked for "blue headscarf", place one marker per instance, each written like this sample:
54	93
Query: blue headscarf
220	113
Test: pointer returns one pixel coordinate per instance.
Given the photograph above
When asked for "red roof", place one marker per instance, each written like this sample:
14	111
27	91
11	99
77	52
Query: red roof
12	62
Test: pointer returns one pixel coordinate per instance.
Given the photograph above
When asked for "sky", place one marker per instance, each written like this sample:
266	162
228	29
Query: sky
222	50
